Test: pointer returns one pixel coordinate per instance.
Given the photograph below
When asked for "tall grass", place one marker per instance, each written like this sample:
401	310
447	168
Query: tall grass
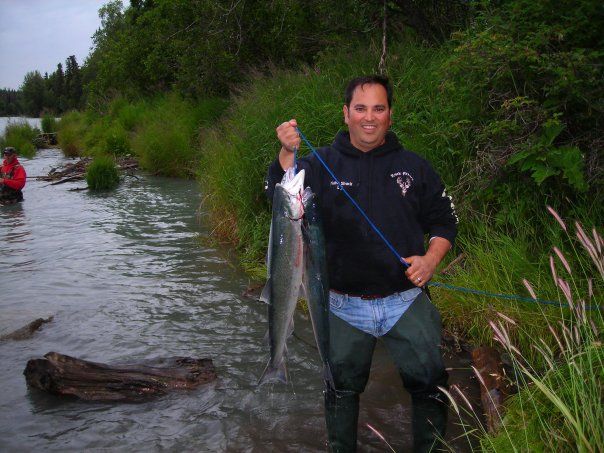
21	137
162	133
49	124
70	131
560	403
102	174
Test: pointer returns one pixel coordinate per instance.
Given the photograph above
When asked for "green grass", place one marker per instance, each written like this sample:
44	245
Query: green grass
163	132
49	124
102	174
560	403
70	133
20	136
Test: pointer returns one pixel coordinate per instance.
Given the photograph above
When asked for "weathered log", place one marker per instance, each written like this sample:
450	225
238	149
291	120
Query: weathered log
64	375
27	331
493	384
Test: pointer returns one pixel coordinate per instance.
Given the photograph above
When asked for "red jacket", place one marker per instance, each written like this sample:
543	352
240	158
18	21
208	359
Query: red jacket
13	174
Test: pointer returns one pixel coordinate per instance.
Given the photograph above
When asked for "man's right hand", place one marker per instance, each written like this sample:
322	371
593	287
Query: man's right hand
290	140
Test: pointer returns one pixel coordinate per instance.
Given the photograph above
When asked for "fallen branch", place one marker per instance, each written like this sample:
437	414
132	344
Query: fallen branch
27	331
64	375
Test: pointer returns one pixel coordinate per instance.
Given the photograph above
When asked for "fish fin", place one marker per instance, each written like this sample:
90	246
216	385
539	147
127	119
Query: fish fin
265	296
272	373
290	330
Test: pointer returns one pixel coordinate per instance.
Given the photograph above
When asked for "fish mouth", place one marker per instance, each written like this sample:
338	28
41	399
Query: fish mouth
293	183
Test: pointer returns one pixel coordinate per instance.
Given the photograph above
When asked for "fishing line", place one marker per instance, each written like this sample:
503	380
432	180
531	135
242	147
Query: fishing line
356	205
398	256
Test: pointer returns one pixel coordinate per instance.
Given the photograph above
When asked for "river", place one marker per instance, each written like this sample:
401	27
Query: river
128	275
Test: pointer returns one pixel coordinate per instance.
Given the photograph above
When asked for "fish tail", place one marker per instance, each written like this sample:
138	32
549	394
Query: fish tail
274	373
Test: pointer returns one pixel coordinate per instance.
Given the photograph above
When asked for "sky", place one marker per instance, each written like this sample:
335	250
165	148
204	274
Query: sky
39	34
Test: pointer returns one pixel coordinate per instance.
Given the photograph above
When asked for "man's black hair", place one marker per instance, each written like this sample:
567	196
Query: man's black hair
368	80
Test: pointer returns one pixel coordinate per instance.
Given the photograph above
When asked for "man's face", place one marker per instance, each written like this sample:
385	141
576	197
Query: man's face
368	117
9	157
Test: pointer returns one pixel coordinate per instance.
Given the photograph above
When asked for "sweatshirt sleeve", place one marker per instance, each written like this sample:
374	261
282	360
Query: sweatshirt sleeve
438	216
274	175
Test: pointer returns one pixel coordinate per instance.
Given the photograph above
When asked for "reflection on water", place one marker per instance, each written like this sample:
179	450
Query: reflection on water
127	279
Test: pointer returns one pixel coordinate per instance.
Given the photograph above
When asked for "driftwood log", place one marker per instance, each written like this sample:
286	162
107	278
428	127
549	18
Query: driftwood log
494	386
27	331
76	171
63	375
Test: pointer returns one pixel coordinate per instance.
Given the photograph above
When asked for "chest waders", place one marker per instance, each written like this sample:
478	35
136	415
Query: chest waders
414	345
9	195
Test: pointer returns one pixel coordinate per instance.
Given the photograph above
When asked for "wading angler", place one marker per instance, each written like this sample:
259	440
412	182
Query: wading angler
372	293
12	178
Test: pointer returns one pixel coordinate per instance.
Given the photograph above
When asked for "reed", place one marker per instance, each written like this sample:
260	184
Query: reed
559	405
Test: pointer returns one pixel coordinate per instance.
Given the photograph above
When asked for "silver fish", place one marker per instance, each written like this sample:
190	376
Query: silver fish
285	269
316	280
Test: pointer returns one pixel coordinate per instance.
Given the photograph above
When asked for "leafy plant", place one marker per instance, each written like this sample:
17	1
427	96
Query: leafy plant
544	160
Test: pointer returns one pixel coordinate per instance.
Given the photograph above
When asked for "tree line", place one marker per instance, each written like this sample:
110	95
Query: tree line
56	93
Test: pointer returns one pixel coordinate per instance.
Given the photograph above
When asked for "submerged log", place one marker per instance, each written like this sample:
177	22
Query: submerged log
64	375
493	384
27	331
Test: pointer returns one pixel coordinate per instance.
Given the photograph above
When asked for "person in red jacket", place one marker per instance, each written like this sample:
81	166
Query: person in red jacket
12	178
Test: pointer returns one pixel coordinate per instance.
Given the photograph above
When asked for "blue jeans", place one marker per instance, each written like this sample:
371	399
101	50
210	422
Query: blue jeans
373	316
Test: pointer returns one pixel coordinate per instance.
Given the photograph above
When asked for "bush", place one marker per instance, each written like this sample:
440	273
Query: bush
102	174
70	131
21	137
166	141
49	124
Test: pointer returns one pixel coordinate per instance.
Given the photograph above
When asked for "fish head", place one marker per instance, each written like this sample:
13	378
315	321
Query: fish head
293	184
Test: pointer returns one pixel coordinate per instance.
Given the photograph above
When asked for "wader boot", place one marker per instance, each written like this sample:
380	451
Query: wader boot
414	345
350	365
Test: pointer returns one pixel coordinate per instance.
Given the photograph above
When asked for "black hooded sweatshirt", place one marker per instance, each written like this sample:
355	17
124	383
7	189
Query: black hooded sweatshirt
398	190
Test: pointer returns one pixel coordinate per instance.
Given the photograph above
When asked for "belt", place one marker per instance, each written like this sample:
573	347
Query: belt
363	296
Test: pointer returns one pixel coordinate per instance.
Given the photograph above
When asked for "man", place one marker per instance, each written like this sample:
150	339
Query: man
12	178
372	294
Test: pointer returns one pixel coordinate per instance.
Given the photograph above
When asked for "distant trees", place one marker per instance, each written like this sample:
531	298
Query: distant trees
55	93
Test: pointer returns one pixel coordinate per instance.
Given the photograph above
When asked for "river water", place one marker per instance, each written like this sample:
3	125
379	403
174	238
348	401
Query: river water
128	276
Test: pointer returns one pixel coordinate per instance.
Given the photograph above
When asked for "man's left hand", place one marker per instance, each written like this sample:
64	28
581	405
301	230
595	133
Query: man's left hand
421	269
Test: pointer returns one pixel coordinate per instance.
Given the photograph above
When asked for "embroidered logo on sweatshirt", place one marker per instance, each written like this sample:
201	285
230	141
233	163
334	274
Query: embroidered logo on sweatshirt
344	184
404	180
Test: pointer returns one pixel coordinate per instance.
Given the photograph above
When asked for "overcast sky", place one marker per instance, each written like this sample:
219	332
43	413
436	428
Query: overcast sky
39	34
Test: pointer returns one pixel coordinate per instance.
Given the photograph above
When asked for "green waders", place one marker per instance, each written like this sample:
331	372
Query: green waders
414	345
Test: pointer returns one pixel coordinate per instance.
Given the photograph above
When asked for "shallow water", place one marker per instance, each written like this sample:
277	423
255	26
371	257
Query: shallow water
128	277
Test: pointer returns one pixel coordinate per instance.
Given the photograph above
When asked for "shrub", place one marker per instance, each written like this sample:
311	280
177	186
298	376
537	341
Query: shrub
70	131
49	124
102	174
21	137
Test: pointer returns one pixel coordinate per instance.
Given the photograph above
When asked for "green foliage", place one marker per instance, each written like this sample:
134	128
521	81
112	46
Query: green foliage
102	174
70	133
534	422
545	160
49	124
535	68
21	137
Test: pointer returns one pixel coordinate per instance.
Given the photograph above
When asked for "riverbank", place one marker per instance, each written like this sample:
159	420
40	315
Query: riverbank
506	236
